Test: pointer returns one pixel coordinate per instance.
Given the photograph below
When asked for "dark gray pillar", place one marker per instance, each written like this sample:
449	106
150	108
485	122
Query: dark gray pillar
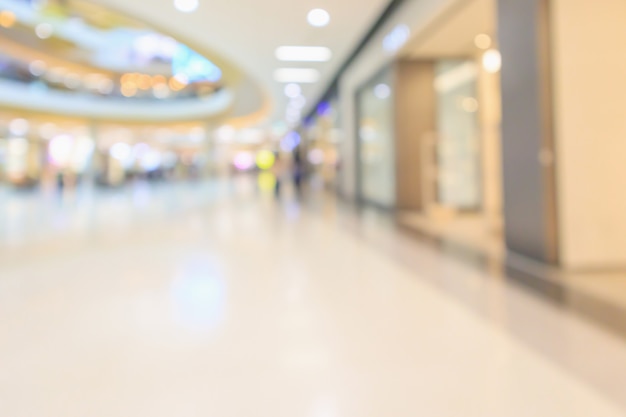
527	132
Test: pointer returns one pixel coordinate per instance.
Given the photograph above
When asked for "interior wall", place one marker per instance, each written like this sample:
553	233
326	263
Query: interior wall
529	211
590	86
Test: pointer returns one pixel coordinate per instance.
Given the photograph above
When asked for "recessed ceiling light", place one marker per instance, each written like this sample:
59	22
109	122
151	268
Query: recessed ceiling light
298	102
186	6
293	90
296	75
304	53
318	18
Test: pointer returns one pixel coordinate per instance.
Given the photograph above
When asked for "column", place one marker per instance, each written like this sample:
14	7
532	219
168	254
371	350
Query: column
415	120
564	152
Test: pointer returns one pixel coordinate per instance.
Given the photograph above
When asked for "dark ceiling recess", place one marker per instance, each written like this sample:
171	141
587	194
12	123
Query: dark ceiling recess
332	87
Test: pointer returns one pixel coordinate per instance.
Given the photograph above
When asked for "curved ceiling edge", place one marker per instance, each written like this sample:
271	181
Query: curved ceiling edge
17	96
233	75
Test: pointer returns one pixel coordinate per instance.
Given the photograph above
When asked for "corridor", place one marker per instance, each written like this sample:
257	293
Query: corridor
213	299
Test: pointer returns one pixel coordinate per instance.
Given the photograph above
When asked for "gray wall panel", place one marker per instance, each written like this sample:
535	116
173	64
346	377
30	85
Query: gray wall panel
526	193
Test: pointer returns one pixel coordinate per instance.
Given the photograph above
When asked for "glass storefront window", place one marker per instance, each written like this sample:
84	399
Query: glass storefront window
376	142
458	145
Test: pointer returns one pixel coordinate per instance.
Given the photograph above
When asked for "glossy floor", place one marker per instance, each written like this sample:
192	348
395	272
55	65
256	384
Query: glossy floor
214	300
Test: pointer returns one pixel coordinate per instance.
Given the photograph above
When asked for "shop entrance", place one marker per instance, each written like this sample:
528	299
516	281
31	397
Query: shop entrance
460	159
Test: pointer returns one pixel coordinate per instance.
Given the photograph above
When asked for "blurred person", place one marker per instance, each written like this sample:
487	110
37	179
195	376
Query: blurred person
278	169
298	170
60	181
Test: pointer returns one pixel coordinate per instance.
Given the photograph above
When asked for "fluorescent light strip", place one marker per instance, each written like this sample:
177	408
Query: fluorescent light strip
304	53
297	75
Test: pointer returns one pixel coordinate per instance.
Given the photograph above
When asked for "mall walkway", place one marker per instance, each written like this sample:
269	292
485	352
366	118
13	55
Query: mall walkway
213	300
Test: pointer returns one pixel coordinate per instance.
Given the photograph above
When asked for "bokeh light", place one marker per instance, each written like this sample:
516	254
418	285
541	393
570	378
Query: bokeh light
293	90
193	66
290	141
266	181
19	127
37	68
316	156
482	41
186	6
382	91
121	151
265	160
60	150
492	61
7	19
151	160
318	18
243	161
44	30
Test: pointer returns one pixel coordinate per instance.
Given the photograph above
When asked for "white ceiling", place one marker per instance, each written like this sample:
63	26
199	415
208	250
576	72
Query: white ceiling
247	32
452	35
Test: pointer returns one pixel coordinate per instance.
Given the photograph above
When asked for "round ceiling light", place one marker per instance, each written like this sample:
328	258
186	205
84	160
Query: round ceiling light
186	6
293	90
318	18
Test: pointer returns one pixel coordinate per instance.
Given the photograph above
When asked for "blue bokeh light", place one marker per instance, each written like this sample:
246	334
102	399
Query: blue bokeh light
193	66
290	142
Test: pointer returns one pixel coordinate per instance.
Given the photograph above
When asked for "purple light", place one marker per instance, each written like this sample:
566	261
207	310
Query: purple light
244	161
323	108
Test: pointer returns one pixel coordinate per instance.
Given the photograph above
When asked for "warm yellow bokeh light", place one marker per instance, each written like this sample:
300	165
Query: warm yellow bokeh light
176	85
265	160
145	82
129	78
7	19
266	181
158	80
129	90
482	41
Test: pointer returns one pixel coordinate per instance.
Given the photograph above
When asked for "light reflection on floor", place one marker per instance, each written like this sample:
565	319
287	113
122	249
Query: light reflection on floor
199	294
211	298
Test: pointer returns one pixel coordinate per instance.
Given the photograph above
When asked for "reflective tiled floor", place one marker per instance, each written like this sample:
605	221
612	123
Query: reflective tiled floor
214	300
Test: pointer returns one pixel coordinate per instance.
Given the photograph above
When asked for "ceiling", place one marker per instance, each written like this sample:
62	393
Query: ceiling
247	32
453	33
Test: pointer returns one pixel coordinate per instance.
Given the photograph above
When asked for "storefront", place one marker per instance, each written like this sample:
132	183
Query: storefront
375	141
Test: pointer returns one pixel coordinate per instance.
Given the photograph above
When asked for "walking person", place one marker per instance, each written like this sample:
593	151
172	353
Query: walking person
279	172
298	171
